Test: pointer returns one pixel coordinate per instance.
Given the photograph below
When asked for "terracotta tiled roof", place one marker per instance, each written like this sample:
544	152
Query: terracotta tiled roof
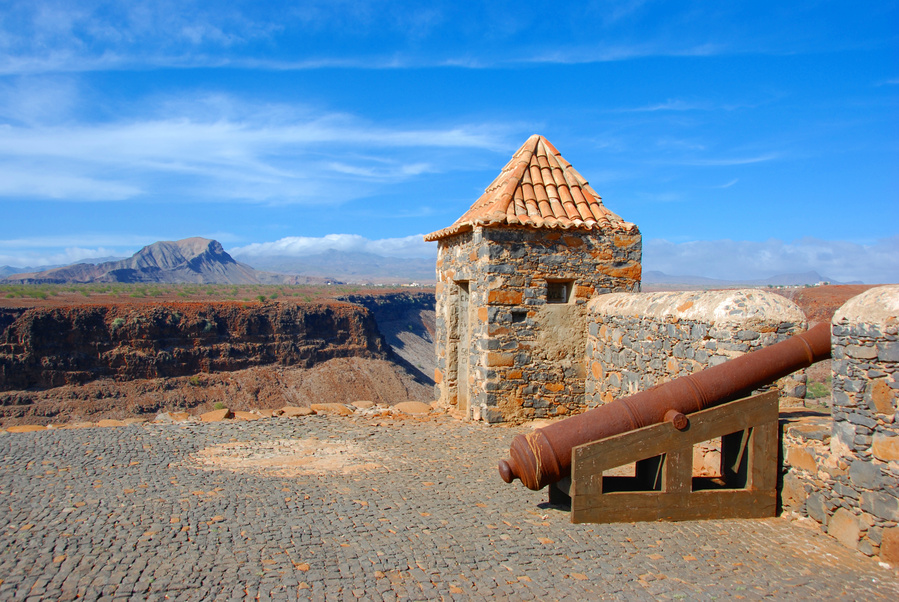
540	189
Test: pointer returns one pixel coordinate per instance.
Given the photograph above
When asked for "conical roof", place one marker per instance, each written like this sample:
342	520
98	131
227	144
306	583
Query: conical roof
540	189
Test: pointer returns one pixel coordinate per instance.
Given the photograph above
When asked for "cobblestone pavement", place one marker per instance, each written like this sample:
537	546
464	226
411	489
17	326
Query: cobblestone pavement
414	511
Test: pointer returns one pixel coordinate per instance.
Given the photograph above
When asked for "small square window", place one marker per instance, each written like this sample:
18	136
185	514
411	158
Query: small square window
559	291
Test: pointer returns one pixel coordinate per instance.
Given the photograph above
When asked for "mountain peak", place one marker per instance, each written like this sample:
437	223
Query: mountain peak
170	255
190	260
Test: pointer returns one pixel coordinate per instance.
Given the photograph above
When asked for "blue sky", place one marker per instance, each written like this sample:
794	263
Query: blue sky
745	139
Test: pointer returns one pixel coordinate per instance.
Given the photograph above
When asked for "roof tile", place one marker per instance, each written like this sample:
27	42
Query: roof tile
540	189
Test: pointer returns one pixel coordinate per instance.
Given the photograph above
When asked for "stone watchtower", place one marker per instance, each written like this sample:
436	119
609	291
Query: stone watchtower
513	277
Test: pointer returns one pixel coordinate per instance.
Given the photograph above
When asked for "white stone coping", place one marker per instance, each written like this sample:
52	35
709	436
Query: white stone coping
740	307
874	306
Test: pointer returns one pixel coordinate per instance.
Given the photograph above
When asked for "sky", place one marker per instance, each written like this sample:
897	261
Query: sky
745	139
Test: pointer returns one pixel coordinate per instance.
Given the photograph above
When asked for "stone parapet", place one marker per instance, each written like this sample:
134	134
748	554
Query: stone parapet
848	481
636	341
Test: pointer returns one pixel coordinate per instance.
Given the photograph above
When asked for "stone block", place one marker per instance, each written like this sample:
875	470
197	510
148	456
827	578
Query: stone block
363	405
885	448
216	415
841	399
814	507
888	351
412	407
844	526
844	491
814	432
240	415
26	428
333	409
866	548
865	474
861	420
881	398
500	359
492	415
889	546
801	458
880	504
861	352
503	297
842	439
793	493
111	423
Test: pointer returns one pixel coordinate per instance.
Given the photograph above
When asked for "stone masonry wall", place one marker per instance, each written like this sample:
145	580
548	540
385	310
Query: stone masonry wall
845	475
636	341
525	351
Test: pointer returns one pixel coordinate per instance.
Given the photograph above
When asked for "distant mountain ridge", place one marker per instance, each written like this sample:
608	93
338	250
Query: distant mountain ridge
203	261
348	266
9	270
191	260
653	277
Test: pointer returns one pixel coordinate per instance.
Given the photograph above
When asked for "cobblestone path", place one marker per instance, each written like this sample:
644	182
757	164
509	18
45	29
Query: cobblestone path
413	511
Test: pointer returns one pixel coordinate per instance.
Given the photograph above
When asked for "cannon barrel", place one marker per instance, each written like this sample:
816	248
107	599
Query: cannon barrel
544	455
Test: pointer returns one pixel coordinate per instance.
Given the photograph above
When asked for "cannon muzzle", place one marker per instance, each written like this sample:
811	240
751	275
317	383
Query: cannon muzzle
544	455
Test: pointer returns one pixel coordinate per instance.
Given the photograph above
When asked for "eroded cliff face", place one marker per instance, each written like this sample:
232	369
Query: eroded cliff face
407	321
44	348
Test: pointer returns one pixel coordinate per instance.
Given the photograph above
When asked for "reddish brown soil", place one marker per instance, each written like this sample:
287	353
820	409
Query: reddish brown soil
29	296
820	302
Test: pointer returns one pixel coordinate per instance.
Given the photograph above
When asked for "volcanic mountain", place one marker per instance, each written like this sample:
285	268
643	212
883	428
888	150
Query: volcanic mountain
191	260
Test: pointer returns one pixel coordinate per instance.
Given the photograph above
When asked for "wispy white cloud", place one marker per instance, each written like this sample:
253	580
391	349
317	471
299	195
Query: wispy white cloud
48	36
843	261
299	246
37	259
620	52
670	105
728	184
681	105
661	197
26	181
215	147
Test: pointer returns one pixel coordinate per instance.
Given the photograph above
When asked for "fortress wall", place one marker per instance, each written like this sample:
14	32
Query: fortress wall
846	477
636	341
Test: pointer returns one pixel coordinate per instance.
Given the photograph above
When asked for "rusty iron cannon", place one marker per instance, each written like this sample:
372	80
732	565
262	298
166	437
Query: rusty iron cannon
543	456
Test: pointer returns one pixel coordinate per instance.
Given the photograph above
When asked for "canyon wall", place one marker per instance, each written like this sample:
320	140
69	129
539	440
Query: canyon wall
407	321
51	347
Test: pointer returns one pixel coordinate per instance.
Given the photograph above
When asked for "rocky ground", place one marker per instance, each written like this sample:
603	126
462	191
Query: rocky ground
371	507
819	304
341	380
